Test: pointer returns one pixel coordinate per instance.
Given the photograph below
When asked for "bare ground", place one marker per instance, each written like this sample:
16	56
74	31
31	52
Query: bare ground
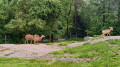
42	51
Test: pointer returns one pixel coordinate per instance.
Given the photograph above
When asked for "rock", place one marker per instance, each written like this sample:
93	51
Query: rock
61	39
87	38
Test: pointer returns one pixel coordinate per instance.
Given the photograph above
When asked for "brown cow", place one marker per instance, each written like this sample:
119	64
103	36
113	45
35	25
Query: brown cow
28	37
37	38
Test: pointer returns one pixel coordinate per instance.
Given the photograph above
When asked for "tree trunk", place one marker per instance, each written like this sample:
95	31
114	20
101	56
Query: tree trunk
70	35
67	29
5	39
51	37
75	6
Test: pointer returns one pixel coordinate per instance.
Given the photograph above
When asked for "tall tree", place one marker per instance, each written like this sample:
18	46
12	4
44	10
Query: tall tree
70	8
75	6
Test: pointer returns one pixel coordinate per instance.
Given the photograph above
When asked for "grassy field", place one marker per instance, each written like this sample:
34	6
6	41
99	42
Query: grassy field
18	62
106	54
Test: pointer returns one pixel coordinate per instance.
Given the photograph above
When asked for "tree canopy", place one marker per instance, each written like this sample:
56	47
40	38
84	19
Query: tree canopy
57	18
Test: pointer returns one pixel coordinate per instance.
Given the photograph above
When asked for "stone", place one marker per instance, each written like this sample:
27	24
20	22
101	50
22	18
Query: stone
87	38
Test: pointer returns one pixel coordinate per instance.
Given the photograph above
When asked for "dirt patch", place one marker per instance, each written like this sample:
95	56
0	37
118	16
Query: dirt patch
49	57
29	51
2	50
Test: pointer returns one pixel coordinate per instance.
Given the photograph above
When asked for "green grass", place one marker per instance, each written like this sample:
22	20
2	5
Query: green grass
19	62
64	43
4	60
85	51
49	43
75	39
68	64
69	41
97	37
109	56
116	41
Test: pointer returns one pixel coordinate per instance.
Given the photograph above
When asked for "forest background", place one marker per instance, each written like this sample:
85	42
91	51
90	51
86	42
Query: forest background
57	18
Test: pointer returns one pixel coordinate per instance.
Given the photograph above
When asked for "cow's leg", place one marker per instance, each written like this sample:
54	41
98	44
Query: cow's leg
34	42
31	42
37	42
103	35
25	41
107	34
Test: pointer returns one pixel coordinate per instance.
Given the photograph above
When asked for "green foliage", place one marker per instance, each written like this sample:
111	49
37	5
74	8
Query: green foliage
16	24
89	33
1	39
75	39
95	12
20	17
38	23
33	17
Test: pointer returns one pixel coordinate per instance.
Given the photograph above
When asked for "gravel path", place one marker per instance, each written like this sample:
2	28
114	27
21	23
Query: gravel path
27	50
34	51
31	50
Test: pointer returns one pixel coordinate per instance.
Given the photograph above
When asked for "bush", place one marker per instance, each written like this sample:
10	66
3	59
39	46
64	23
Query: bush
1	39
90	33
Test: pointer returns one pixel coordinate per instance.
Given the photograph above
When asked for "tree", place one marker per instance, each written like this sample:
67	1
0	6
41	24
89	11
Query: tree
75	6
35	17
4	18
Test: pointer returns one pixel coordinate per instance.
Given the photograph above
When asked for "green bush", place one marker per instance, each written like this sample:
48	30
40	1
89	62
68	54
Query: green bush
1	39
90	33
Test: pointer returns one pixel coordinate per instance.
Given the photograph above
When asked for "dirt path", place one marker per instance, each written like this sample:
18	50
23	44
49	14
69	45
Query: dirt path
104	39
35	51
27	50
31	50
